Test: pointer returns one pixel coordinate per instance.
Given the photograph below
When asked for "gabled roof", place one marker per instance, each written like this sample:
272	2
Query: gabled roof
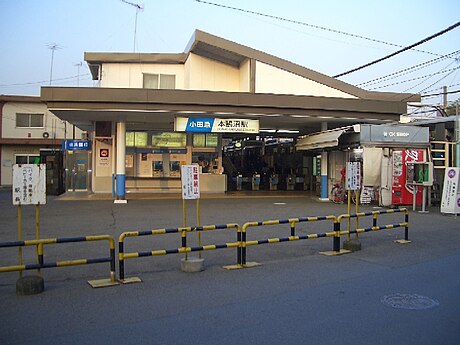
231	53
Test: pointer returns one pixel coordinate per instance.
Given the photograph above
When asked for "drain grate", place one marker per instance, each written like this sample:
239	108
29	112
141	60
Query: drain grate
409	301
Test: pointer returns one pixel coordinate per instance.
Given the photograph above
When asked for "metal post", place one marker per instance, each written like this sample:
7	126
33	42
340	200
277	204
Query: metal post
406	228
243	248
457	136
357	210
37	231
121	261
20	237
198	220
348	212
239	248
336	244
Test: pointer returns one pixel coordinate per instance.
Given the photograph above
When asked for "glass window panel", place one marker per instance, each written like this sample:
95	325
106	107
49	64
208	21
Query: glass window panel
129	139
169	139
199	140
150	81
22	120
21	160
140	139
36	120
167	81
211	140
34	159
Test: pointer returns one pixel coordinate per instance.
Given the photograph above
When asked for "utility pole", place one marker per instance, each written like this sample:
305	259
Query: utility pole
457	136
78	65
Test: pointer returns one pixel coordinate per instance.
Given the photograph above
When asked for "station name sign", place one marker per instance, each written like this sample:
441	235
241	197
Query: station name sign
215	125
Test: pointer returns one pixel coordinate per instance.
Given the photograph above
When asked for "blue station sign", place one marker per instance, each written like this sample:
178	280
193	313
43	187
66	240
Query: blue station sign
72	145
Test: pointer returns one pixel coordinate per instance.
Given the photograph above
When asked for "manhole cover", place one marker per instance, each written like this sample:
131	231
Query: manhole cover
409	301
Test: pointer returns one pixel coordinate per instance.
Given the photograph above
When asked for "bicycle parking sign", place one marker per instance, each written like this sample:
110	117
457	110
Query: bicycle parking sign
190	178
29	187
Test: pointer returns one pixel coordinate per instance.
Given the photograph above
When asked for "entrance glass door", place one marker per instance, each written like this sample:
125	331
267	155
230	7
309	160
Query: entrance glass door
77	170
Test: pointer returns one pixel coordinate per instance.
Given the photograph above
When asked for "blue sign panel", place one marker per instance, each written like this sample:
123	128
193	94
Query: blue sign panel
71	145
199	125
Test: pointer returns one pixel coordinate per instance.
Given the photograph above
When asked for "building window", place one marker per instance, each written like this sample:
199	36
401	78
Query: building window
27	159
29	120
205	140
169	140
159	81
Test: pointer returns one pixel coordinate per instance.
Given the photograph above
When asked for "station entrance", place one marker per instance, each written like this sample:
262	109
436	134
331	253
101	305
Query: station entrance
266	164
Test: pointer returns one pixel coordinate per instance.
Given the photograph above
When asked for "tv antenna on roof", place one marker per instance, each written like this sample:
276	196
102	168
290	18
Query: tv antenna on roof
53	47
139	8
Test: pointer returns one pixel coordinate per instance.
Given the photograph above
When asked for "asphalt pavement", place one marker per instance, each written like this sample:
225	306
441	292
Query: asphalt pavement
385	293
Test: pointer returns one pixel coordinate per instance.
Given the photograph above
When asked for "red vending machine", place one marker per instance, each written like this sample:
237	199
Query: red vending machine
402	192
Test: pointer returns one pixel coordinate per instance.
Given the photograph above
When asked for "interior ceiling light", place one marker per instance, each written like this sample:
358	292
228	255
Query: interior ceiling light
287	131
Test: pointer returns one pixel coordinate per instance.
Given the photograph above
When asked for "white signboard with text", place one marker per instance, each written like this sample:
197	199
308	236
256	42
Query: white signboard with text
190	180
450	202
353	176
29	184
215	125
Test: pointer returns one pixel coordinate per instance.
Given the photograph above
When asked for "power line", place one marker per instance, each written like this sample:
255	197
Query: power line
441	93
309	25
417	78
408	70
399	51
43	81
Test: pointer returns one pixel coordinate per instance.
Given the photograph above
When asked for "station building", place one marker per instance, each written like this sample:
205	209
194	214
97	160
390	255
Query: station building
153	112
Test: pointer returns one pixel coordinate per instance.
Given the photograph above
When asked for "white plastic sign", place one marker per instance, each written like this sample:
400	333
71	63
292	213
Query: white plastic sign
353	176
450	202
29	184
190	179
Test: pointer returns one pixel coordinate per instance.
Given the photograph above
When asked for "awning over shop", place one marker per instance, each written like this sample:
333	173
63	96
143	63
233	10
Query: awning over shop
320	140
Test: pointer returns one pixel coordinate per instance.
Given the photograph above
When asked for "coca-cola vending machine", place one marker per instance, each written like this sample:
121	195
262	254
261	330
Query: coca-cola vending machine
402	192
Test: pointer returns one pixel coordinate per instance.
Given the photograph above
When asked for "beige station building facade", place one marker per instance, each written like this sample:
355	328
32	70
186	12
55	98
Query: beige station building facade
137	141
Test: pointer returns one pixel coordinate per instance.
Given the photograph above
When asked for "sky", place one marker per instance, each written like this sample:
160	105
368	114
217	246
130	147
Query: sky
28	28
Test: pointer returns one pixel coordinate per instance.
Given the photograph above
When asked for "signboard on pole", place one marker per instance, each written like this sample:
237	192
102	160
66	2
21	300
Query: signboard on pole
450	202
190	180
353	176
29	184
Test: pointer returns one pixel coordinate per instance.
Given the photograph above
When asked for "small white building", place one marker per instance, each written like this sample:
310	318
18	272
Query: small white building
26	127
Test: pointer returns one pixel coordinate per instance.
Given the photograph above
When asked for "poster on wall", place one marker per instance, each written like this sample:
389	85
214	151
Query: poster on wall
450	202
103	157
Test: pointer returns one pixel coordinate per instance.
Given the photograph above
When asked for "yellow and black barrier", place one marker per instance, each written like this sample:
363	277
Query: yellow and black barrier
40	243
375	226
293	237
184	249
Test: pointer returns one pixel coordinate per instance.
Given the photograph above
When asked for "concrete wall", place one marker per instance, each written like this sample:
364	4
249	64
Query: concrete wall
270	79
